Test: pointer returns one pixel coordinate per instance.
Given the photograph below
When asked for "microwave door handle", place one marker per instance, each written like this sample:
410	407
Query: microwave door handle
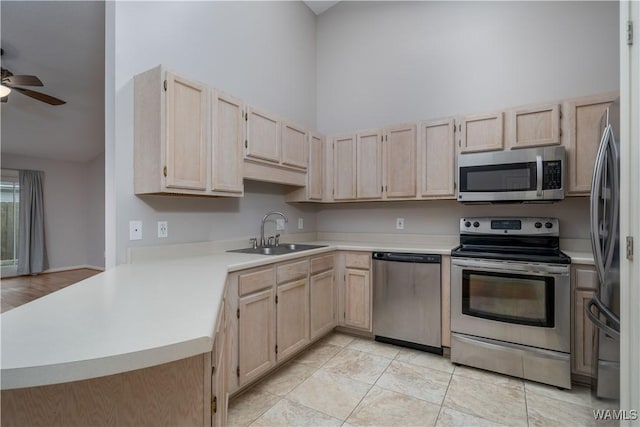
539	175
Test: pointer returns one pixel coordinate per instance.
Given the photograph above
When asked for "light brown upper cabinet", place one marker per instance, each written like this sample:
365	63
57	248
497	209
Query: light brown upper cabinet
369	164
174	152
400	161
228	137
438	159
481	132
315	172
275	150
344	167
533	126
582	138
263	136
294	145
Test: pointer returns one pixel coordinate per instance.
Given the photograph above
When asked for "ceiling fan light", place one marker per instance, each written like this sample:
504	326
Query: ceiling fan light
4	91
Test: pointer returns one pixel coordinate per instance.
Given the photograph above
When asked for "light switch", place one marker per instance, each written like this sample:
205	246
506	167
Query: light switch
135	230
399	223
279	224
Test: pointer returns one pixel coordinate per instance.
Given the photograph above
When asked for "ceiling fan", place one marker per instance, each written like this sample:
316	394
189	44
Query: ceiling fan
12	82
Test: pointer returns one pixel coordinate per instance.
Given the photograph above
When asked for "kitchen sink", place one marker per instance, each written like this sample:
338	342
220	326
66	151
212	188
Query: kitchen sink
282	249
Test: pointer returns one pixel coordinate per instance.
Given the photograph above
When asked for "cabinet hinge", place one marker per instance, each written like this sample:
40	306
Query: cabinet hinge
213	370
381	138
630	33
238	313
164	171
630	248
238	371
246	144
344	314
246	116
276	299
214	405
386	138
164	85
382	189
276	348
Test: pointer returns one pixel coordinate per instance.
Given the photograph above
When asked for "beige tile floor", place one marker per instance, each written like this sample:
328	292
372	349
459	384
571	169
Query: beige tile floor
348	381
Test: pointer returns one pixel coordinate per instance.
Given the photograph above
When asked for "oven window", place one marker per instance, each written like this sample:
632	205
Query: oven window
496	178
511	298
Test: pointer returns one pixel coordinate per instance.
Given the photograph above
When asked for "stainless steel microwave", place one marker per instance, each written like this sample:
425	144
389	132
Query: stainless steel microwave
526	175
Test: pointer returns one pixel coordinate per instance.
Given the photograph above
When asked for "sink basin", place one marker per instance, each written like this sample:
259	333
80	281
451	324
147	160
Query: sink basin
284	248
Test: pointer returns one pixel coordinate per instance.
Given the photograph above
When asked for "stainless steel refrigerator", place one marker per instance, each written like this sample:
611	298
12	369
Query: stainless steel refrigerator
604	308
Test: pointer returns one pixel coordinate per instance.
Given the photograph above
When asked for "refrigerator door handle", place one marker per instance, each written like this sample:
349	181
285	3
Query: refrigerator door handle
595	198
607	313
614	205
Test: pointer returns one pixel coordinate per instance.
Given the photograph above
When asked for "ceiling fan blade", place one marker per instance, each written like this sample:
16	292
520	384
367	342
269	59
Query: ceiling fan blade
39	96
23	80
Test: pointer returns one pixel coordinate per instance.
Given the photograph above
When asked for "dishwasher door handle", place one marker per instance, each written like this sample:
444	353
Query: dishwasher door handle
406	257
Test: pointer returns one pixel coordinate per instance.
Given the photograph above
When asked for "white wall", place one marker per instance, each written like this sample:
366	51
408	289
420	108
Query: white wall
441	217
95	212
263	52
387	62
70	189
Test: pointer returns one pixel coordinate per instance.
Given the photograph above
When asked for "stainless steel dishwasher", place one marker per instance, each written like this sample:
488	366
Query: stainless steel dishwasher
406	300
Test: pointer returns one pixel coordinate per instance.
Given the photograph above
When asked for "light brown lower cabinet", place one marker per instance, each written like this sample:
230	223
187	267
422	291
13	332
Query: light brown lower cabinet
293	318
322	298
256	334
584	281
220	371
356	290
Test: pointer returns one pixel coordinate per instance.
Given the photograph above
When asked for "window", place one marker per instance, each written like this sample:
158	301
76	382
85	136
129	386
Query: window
9	200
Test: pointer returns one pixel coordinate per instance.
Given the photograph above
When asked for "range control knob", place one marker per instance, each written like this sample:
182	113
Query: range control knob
538	224
548	225
467	224
476	224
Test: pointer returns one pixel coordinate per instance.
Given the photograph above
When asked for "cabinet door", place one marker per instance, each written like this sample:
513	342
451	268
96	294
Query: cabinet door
369	165
344	168
263	136
482	132
187	134
322	302
294	146
583	138
256	330
315	173
400	168
227	140
534	126
357	299
583	334
438	159
293	317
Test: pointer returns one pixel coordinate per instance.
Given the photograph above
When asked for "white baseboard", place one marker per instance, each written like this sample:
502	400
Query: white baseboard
73	267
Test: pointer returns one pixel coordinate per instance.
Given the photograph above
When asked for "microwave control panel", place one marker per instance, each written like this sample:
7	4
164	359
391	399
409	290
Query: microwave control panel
552	175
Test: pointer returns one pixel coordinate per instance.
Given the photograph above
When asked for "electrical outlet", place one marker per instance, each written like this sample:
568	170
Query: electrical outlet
163	229
300	223
399	223
279	224
135	230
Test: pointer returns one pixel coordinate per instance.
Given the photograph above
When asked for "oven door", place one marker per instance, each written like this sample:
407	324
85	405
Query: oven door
518	302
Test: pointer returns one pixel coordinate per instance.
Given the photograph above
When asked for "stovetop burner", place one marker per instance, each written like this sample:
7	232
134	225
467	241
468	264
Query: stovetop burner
513	239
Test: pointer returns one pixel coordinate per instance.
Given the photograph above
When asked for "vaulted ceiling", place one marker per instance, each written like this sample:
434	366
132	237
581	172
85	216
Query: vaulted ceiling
63	44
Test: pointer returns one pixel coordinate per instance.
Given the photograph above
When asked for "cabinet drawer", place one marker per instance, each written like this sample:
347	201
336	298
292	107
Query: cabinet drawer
358	260
321	263
585	277
255	280
292	271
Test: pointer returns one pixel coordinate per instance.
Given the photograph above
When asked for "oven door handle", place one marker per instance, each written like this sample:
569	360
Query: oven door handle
561	270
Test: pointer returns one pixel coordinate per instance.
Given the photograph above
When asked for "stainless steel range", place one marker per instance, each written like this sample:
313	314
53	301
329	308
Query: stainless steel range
510	299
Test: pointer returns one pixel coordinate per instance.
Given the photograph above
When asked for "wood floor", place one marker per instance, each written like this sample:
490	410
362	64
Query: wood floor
22	289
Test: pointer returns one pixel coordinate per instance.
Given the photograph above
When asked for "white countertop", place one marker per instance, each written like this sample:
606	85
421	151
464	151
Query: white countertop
136	315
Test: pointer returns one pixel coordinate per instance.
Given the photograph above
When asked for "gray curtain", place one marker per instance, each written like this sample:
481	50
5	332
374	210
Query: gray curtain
32	255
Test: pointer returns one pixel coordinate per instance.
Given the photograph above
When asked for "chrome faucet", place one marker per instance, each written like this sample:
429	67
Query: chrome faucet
262	240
